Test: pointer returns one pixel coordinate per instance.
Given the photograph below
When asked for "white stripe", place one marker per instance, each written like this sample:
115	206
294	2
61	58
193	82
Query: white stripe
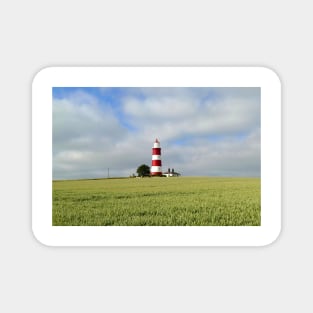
156	169
156	145
156	157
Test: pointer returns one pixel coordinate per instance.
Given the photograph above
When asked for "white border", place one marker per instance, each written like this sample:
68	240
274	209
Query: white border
156	77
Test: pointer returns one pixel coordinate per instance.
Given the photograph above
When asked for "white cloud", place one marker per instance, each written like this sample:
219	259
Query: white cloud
164	108
170	117
227	157
83	137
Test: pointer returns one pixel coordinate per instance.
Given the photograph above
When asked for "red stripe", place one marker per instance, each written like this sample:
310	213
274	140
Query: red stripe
156	151
156	173
156	162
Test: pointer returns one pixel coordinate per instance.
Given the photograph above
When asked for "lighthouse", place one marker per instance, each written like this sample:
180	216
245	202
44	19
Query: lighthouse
156	165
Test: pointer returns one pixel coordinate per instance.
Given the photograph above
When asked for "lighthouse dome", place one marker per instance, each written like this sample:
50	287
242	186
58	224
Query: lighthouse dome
156	143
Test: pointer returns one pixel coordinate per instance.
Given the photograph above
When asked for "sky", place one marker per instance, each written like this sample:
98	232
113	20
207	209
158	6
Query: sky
203	131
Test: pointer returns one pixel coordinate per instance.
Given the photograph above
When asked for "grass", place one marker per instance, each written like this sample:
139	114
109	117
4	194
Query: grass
157	201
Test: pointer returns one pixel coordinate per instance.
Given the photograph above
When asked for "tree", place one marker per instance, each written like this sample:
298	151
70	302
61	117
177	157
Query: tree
143	170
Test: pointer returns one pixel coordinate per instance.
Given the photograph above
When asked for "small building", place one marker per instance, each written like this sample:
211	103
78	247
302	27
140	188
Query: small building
171	173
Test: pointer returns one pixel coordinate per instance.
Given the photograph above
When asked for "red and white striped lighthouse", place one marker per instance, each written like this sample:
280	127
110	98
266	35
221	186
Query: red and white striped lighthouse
156	165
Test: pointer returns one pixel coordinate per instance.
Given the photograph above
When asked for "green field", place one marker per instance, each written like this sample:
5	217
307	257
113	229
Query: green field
157	201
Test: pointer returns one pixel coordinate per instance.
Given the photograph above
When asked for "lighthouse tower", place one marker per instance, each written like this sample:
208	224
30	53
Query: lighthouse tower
156	166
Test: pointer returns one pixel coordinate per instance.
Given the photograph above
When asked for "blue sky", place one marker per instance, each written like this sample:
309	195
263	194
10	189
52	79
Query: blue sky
203	131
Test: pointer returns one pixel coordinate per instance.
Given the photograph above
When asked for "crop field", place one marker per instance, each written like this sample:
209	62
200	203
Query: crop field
157	201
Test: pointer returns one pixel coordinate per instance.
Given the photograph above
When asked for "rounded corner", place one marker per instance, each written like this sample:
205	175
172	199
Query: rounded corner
41	73
271	73
38	239
272	240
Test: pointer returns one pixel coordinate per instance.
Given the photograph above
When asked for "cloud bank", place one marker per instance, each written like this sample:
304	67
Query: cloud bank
203	131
